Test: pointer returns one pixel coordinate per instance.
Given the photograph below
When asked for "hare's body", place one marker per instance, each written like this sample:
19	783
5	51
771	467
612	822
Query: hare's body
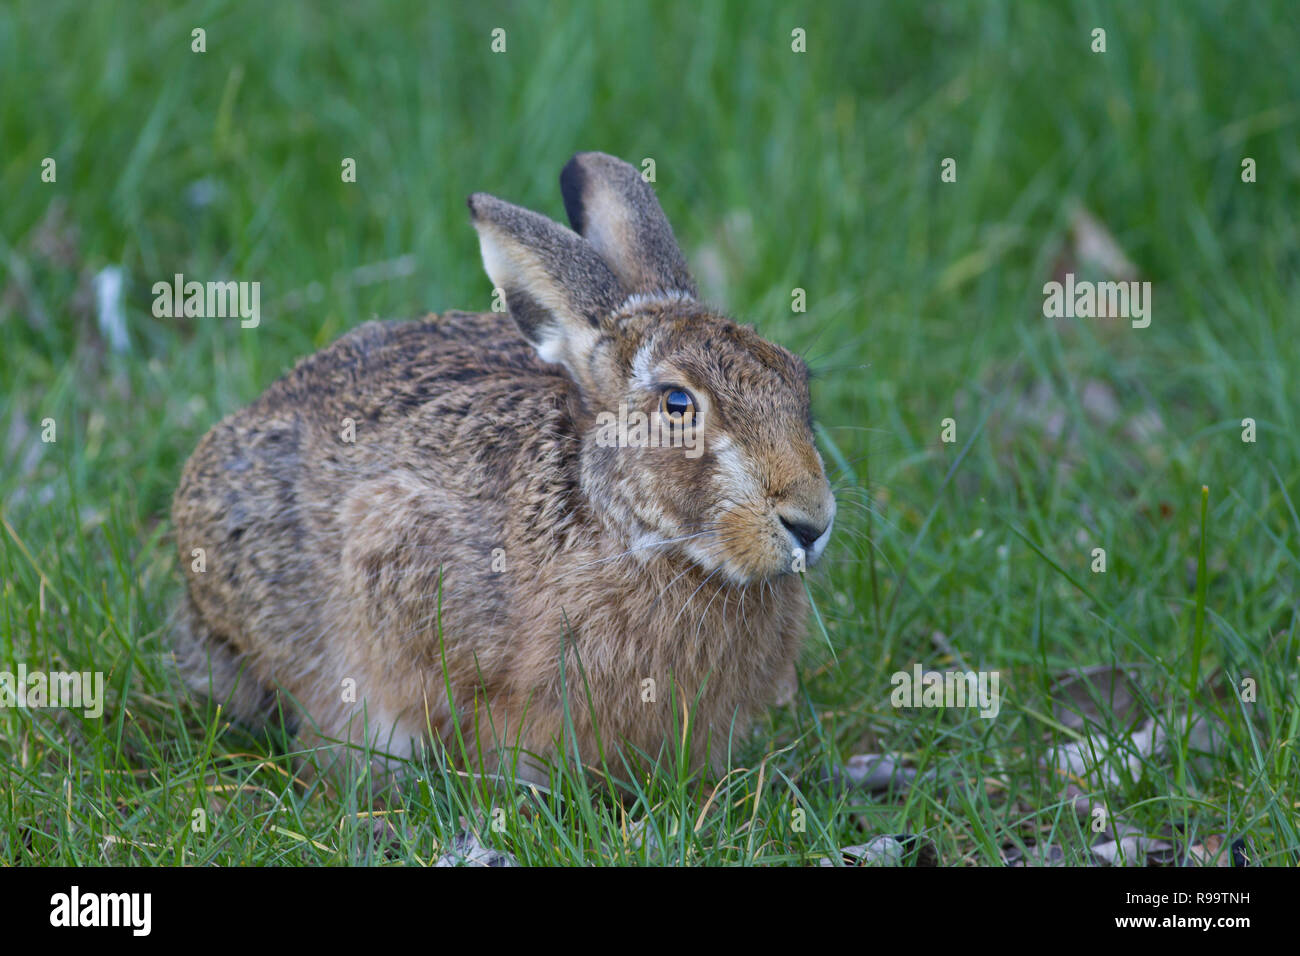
418	531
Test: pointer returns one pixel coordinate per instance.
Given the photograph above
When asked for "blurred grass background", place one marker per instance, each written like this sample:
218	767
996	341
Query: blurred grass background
778	170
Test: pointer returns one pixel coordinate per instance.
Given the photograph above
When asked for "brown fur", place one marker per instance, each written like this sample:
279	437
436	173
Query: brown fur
374	560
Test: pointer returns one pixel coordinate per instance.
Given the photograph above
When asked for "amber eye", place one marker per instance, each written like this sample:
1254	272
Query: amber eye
678	405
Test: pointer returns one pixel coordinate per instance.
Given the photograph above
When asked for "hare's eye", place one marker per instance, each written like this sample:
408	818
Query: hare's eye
677	404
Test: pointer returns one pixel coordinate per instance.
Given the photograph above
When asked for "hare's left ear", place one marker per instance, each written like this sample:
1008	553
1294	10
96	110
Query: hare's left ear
558	290
614	209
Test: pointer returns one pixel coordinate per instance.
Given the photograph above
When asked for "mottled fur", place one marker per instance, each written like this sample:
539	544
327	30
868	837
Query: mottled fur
376	560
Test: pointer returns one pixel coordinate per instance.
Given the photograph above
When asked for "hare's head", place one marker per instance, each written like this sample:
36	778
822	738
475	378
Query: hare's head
698	433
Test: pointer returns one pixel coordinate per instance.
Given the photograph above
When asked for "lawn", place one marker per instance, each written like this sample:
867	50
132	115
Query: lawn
968	544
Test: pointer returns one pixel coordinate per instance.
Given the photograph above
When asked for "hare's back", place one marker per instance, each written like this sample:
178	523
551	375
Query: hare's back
382	370
457	407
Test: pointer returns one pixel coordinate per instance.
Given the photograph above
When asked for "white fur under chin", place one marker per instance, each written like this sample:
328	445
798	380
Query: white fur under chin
645	544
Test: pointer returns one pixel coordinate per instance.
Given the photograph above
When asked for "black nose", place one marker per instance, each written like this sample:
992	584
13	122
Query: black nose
805	534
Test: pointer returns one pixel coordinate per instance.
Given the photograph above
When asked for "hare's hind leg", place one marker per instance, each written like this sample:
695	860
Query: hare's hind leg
212	667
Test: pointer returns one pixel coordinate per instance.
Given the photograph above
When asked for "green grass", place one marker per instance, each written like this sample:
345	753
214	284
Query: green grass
818	171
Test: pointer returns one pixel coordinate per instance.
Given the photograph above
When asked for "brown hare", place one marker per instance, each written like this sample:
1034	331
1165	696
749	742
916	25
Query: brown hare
441	529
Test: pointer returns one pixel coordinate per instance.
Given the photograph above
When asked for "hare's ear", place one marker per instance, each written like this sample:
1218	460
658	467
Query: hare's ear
556	287
616	211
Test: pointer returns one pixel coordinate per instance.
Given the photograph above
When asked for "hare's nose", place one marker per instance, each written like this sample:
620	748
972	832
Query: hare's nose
804	533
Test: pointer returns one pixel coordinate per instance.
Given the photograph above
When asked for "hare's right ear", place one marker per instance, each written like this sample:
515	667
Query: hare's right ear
615	210
556	287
